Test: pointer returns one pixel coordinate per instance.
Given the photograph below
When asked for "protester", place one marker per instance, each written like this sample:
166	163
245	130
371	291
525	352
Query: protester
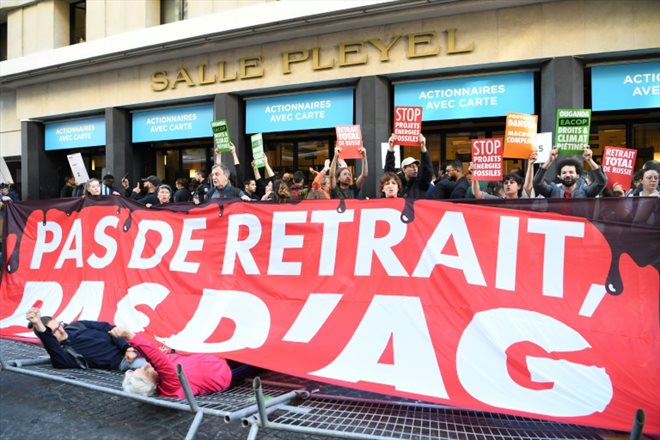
649	183
320	187
341	180
163	196
455	172
182	193
569	171
512	186
415	178
263	183
81	344
202	188
108	186
648	165
205	373
93	187
222	187
390	185
443	186
69	185
150	185
298	189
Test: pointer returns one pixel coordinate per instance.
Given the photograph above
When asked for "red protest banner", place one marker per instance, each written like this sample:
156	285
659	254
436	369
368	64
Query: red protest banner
349	138
487	162
519	135
407	125
414	309
619	165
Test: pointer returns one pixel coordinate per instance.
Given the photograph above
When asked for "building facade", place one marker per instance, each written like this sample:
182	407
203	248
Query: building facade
133	86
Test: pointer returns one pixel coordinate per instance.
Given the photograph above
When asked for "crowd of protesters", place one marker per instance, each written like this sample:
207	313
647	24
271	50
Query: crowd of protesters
415	178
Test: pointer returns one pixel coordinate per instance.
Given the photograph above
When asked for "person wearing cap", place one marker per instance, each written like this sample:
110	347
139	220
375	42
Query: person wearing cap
415	176
150	185
81	344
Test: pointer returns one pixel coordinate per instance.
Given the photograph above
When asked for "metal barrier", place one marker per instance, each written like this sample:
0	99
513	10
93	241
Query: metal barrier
231	404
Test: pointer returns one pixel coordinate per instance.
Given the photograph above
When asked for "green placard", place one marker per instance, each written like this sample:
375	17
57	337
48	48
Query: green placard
258	150
221	139
572	131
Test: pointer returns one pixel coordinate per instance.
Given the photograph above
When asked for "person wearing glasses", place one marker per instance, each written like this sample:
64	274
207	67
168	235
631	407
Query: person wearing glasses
81	344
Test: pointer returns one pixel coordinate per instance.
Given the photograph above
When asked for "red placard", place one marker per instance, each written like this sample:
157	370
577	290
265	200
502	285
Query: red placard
491	308
619	165
408	125
487	162
349	138
520	135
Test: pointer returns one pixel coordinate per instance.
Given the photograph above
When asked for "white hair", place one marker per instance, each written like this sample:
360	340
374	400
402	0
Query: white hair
138	384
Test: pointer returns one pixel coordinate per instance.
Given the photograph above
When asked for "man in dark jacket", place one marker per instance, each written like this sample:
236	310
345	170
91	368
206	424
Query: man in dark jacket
81	344
415	177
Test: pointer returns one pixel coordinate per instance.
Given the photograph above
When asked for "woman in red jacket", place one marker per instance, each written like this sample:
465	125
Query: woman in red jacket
205	373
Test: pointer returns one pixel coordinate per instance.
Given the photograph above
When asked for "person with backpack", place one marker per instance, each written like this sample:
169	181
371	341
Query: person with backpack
81	344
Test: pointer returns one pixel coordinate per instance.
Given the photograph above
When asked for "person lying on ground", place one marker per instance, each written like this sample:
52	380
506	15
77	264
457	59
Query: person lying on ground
205	373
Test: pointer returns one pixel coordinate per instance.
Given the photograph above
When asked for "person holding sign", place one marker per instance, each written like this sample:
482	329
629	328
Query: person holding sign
513	187
569	173
222	188
415	178
341	180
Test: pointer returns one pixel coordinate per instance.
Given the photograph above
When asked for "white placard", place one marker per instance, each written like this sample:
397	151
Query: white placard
5	175
78	168
384	146
543	147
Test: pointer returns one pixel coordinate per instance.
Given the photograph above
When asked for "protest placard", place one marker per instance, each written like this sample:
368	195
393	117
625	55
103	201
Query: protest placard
349	138
519	135
543	146
5	175
572	131
258	150
407	125
221	139
78	169
487	163
619	165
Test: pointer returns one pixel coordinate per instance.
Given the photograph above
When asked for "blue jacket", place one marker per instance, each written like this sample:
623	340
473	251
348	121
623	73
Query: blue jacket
97	347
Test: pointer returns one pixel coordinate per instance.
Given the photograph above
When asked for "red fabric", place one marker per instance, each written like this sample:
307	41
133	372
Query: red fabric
205	373
480	306
567	195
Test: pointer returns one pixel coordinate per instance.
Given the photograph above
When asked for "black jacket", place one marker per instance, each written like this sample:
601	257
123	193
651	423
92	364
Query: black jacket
417	187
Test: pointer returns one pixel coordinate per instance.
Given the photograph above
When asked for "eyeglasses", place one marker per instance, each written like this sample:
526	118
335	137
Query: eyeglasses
59	328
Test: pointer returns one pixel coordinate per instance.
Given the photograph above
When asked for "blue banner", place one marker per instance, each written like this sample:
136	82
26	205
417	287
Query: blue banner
173	123
304	111
625	86
78	133
474	97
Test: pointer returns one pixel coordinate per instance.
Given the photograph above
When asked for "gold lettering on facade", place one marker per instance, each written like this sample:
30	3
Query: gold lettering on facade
221	73
418	43
293	56
159	81
384	49
345	54
201	75
251	63
316	60
183	76
351	48
451	43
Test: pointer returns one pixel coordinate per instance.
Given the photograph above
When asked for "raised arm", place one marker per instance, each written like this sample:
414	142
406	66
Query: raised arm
528	185
476	189
389	157
365	169
333	168
541	187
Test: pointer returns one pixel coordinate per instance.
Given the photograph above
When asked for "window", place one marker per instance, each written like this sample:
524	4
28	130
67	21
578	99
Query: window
77	22
3	41
173	10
